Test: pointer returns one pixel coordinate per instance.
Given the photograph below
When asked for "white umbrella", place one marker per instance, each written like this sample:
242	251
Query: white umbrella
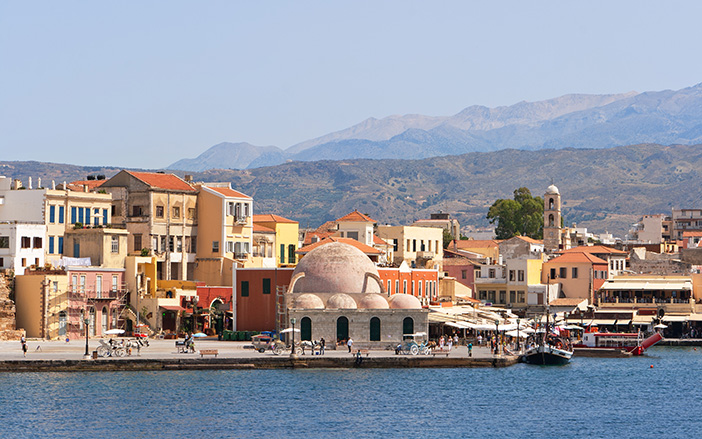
527	330
514	334
199	335
114	332
284	331
660	326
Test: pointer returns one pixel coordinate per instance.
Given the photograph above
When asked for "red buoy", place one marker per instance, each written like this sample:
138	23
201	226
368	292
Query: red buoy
652	366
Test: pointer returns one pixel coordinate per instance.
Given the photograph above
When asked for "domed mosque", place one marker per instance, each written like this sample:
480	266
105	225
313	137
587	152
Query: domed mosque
336	293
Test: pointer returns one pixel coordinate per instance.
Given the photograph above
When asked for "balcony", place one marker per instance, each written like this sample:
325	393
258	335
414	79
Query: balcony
96	295
425	255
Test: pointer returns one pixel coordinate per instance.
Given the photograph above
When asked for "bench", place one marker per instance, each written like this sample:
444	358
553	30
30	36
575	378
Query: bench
204	352
440	351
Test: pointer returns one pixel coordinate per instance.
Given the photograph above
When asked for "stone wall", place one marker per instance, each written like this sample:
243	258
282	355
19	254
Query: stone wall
7	312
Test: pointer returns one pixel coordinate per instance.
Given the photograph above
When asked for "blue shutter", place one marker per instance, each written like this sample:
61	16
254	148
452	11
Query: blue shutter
51	245
60	245
80	215
52	214
61	214
104	217
74	219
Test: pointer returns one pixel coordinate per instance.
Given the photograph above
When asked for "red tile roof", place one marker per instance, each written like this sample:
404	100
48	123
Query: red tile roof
319	235
228	192
364	248
475	243
162	181
257	228
577	258
594	249
531	240
327	227
691	234
356	216
271	218
78	184
379	241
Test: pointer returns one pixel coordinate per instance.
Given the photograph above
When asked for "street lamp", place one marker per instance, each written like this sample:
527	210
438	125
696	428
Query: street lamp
292	350
86	321
518	321
195	299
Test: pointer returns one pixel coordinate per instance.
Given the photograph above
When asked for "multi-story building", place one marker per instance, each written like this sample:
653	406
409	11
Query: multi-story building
59	210
226	232
286	237
648	230
160	213
685	220
441	220
419	247
21	245
579	273
615	259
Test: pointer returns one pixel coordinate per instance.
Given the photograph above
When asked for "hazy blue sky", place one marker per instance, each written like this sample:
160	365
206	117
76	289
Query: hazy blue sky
143	84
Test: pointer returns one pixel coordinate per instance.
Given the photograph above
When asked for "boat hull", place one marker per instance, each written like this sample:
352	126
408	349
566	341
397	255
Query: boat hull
547	356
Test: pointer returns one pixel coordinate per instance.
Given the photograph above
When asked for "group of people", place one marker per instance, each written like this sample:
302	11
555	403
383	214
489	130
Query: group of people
448	341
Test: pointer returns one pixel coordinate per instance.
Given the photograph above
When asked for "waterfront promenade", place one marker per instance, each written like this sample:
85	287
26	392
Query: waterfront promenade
162	354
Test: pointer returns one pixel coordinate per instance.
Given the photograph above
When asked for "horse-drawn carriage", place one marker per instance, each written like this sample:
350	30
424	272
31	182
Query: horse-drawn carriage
264	342
411	346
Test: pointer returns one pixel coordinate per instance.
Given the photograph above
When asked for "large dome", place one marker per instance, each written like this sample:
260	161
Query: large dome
308	301
336	268
341	301
552	190
404	301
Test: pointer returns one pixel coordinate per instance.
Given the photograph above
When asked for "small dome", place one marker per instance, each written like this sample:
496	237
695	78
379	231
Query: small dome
404	301
552	190
341	301
374	301
308	301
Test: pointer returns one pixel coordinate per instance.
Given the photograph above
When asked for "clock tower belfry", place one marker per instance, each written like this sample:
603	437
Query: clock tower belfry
552	220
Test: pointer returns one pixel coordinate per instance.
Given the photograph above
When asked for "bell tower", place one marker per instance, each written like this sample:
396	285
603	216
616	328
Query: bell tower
552	220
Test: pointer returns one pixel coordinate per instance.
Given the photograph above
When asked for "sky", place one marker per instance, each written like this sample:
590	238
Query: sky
144	84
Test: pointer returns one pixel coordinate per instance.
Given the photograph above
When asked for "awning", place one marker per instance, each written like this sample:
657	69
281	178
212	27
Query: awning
172	307
461	325
642	320
695	318
675	318
679	285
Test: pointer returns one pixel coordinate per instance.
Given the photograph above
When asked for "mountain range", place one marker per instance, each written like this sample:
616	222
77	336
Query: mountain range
570	121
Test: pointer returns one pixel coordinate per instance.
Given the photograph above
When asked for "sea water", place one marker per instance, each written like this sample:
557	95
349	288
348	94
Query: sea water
589	398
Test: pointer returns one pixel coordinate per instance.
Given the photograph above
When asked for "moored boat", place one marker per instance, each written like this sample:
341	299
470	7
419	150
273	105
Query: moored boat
633	343
552	351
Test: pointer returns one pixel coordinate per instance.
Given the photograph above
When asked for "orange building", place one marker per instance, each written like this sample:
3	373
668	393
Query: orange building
254	297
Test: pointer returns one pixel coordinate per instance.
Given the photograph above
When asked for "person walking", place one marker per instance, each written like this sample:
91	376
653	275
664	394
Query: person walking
24	346
450	344
349	343
470	349
322	344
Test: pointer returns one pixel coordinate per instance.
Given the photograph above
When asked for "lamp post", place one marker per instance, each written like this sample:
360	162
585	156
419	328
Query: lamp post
86	321
497	336
518	321
292	350
195	299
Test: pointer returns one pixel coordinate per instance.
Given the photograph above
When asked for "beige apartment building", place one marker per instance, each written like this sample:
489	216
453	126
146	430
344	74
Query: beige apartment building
419	247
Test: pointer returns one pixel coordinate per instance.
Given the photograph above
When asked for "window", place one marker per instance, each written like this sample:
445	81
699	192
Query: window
24	262
137	242
404	287
52	214
389	290
191	213
512	297
244	288
491	296
115	244
82	283
115	281
4	242
159	211
51	245
26	242
520	275
395	245
55	286
61	214
503	296
397	286
60	245
171	244
81	218
282	253
104	217
291	253
98	285
563	272
96	217
74	283
266	286
520	296
419	288
136	211
374	329
552	274
193	243
574	273
491	273
477	273
2	262
37	242
483	295
414	245
179	244
511	275
74	216
464	274
352	235
230	208
176	211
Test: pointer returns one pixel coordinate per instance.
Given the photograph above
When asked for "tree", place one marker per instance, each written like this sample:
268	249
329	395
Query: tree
522	216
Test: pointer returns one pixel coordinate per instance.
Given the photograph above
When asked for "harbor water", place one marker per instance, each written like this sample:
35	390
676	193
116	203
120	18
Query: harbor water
590	397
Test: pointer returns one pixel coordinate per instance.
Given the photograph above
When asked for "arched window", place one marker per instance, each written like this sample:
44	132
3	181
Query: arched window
342	328
408	326
306	329
91	325
103	318
550	204
550	220
375	329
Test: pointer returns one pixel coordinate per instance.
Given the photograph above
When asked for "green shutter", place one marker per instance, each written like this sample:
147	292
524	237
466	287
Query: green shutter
244	288
266	286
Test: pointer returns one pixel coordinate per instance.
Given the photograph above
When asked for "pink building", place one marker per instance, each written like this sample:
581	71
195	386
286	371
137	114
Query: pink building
98	293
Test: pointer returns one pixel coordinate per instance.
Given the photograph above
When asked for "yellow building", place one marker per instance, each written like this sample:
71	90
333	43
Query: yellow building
225	233
286	237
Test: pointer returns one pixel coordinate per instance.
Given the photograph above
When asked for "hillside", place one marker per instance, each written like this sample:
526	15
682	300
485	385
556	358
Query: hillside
603	189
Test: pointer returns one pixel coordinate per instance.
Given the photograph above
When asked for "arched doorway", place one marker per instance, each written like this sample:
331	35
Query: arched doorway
104	316
375	329
306	329
91	324
342	328
408	326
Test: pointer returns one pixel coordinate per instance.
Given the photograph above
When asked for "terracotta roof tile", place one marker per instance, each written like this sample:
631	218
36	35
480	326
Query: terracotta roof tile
271	218
228	192
78	184
531	240
364	248
257	228
356	216
475	243
577	257
326	227
319	235
691	234
594	249
162	181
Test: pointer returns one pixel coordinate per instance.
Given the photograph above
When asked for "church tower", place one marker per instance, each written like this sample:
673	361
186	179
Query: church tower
552	220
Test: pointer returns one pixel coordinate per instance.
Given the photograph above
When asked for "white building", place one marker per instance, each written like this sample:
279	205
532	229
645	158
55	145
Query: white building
21	245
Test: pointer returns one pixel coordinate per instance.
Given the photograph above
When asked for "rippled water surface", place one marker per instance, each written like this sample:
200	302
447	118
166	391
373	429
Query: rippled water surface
593	398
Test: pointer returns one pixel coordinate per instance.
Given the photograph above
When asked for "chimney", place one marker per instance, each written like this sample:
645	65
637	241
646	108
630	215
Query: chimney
30	183
16	184
86	188
38	183
53	184
188	178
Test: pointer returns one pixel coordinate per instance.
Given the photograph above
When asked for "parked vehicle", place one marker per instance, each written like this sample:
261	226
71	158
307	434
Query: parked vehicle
262	343
410	345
